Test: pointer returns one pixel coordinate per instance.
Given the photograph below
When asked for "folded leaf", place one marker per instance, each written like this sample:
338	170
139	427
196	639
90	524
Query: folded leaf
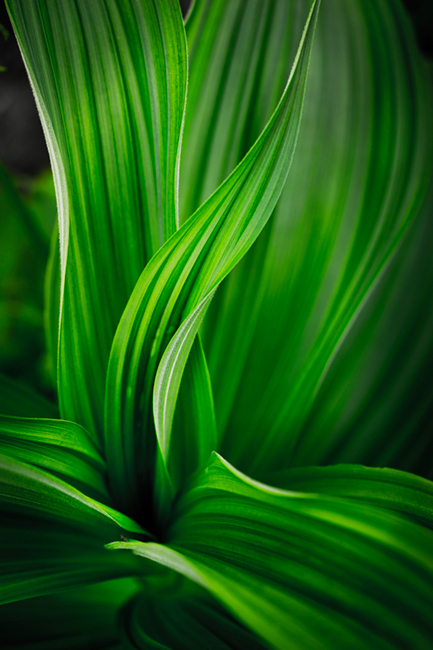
110	81
187	268
33	490
302	570
356	184
193	448
63	448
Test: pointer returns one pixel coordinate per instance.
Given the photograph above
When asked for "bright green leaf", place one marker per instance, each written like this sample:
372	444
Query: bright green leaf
302	570
185	270
110	81
63	448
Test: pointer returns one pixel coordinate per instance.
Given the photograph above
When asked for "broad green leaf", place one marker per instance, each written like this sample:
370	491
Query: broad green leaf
240	55
63	448
84	619
110	81
185	270
185	618
33	490
302	570
377	396
20	400
355	186
386	488
53	536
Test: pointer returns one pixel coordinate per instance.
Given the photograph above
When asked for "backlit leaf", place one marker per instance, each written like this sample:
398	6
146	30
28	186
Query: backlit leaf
185	270
110	82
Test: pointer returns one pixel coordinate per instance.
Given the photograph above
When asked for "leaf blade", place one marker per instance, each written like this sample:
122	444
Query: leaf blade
194	260
301	569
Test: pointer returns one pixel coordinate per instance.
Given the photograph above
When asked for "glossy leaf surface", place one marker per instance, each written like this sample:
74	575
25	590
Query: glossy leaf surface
63	448
302	570
110	83
356	184
182	274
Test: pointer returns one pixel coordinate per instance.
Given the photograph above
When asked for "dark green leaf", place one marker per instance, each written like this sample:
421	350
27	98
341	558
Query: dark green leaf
80	619
183	617
357	181
20	400
63	448
302	570
53	536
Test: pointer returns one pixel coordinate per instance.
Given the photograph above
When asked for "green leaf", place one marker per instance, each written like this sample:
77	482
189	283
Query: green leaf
110	82
4	32
52	293
302	570
185	270
185	617
63	448
355	185
200	437
83	618
240	56
13	202
20	400
53	535
377	396
33	490
385	488
23	251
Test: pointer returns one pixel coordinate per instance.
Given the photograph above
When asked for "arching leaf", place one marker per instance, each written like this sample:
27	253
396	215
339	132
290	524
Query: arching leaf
110	81
302	570
188	267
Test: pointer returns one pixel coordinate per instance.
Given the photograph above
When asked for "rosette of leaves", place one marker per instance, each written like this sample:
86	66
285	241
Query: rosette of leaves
241	279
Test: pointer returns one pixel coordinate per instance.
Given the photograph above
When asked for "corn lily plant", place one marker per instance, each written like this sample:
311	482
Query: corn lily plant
241	279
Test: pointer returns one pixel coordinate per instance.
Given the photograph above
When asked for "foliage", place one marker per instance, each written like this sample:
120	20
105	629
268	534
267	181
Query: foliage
237	297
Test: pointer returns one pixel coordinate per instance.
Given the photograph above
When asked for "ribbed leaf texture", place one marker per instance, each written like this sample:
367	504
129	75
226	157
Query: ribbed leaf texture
238	320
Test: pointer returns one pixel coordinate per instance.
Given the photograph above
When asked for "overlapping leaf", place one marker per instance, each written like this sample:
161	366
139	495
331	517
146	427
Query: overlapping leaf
181	275
182	617
345	562
388	488
304	570
361	169
110	83
377	398
63	448
84	618
53	535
